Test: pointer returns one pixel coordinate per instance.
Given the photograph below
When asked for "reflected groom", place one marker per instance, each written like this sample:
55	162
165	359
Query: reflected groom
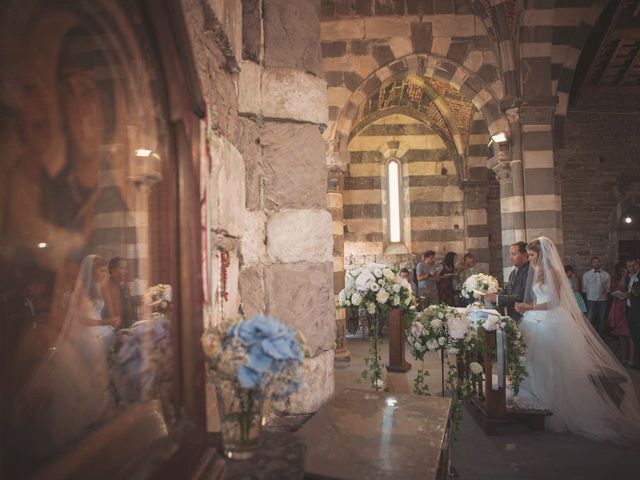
514	290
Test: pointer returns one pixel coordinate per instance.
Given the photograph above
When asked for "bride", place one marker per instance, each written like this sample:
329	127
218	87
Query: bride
571	371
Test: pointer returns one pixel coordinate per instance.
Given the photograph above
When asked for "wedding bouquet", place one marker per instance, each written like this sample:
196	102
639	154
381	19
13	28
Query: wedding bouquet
159	298
478	284
376	287
437	327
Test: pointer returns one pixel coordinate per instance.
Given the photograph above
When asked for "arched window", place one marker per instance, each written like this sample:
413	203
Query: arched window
393	177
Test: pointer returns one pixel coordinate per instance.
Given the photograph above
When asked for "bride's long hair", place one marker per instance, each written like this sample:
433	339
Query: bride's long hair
609	386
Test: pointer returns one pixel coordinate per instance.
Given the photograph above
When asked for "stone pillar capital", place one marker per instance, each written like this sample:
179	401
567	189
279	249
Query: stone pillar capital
502	171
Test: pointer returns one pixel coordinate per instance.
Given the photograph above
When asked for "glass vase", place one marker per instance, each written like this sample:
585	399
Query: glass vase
241	419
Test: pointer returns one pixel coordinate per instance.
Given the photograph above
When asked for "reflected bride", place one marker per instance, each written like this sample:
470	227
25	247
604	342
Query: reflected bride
69	392
571	371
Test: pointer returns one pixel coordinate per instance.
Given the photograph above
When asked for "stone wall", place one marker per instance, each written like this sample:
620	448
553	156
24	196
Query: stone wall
264	172
603	167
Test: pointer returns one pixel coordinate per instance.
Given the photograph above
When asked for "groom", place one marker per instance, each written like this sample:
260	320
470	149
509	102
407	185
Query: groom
514	290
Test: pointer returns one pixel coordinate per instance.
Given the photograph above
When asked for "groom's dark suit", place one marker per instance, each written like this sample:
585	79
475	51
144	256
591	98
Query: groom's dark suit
514	291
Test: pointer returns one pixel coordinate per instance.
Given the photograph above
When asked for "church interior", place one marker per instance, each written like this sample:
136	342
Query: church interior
170	167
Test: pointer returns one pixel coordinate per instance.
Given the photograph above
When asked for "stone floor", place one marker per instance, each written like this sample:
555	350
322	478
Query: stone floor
515	453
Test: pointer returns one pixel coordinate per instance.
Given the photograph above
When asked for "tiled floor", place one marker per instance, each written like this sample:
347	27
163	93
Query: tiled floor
515	453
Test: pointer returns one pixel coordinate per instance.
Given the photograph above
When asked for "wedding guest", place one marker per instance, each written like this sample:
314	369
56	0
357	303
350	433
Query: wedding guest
617	320
574	281
404	273
633	307
428	274
446	292
515	288
595	284
468	268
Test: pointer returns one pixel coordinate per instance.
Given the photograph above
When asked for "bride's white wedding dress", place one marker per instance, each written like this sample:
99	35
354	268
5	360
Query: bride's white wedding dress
573	374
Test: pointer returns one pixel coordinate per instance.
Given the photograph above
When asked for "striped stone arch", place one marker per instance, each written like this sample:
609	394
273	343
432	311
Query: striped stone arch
455	154
575	40
499	18
458	77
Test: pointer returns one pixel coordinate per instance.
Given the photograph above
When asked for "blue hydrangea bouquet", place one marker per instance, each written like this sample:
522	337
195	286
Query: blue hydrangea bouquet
250	360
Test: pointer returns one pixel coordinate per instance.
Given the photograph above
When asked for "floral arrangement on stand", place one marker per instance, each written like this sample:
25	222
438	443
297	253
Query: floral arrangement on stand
459	340
477	285
377	288
159	298
250	360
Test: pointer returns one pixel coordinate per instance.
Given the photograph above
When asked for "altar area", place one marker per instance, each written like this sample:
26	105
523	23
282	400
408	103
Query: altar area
515	452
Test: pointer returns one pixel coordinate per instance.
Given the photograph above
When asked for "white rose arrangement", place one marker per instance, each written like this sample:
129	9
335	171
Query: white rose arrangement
476	285
376	288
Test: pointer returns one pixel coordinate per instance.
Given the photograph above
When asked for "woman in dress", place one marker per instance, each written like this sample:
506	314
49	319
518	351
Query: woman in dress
574	281
617	320
69	392
446	292
571	371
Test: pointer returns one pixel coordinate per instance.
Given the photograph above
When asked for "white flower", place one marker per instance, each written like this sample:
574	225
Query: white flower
381	281
356	299
440	315
503	324
388	274
442	341
476	368
378	272
382	296
375	287
417	329
436	323
363	280
396	288
491	323
417	346
457	328
518	334
404	283
379	383
453	351
371	308
407	301
396	300
522	359
342	297
432	344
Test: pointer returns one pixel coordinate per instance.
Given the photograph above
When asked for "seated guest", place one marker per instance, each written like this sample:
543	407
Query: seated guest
404	273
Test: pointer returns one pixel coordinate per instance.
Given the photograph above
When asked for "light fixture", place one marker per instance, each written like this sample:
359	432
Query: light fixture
499	137
143	152
628	220
42	245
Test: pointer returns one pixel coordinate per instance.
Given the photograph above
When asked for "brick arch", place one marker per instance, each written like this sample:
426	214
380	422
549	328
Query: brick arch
458	77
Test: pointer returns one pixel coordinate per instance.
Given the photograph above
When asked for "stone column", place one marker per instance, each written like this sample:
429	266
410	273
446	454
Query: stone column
477	228
287	253
335	187
542	200
512	219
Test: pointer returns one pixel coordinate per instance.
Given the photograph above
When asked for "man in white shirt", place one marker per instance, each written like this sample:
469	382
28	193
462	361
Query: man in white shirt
596	284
